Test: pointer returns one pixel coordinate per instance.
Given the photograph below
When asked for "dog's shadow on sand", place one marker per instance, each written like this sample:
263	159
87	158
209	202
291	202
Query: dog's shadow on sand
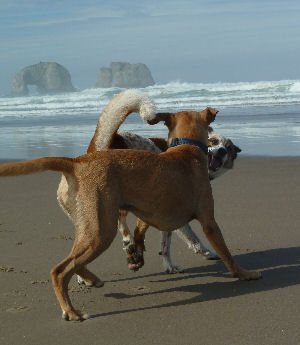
280	269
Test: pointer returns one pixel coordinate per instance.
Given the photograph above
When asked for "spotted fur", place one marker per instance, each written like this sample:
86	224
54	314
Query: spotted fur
115	113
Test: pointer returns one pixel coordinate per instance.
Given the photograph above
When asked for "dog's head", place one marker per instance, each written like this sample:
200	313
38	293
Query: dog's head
221	154
187	124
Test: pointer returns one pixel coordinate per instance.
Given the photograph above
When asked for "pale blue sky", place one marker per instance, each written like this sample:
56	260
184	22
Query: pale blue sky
190	40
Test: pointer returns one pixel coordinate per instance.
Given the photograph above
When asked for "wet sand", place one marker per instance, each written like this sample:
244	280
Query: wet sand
257	208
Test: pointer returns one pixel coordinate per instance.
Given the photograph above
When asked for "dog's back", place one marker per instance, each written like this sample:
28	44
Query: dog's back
140	181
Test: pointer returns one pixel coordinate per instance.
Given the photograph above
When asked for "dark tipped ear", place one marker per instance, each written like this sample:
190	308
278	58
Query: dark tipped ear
161	117
233	148
237	149
210	129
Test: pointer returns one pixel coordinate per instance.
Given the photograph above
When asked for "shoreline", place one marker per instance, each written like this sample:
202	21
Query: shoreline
267	131
256	207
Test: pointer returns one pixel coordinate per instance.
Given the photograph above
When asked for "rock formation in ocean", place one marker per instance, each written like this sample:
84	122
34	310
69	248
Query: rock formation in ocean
124	74
49	77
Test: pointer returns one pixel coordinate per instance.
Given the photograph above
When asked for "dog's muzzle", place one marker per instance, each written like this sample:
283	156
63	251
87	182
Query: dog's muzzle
215	159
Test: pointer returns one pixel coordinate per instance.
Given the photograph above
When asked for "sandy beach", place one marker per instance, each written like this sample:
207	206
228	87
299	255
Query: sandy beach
257	208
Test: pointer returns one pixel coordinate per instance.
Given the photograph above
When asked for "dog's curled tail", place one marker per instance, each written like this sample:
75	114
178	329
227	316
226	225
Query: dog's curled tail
115	113
62	164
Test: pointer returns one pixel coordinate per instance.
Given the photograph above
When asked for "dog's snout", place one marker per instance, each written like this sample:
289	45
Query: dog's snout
222	152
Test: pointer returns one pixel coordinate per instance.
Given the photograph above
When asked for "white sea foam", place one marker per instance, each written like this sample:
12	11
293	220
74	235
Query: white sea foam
172	96
260	117
295	87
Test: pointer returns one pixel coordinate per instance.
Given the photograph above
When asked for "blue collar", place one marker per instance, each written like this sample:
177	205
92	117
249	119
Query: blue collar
186	141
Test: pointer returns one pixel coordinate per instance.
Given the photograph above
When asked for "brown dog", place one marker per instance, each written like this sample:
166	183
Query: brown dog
221	155
101	183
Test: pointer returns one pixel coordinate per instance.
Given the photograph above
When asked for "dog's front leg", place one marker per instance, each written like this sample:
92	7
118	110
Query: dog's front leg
187	234
214	235
127	238
165	242
135	251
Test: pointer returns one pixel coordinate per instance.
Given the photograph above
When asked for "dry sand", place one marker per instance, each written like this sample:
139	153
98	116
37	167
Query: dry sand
257	208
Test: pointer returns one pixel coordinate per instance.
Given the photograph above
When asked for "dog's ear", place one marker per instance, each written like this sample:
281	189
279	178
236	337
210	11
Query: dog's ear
232	149
210	129
209	114
237	149
166	117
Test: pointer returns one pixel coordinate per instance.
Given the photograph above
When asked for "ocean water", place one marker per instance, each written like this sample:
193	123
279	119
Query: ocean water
263	118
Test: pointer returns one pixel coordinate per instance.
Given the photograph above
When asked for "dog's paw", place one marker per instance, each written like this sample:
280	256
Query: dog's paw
206	253
247	275
99	283
74	315
171	269
210	255
135	258
135	267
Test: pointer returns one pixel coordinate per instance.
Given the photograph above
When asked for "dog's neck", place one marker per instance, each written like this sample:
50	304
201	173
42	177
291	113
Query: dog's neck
186	141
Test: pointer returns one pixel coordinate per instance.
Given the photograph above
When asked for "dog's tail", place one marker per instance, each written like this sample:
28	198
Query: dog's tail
62	164
115	113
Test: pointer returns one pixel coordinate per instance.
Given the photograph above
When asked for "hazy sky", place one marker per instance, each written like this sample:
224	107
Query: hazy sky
186	40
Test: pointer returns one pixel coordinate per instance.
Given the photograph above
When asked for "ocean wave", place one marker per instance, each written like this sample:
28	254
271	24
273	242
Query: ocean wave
177	86
295	87
174	96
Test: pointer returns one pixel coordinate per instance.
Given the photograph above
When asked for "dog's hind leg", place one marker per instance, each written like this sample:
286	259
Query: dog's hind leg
84	276
66	201
93	237
214	235
190	238
165	243
83	252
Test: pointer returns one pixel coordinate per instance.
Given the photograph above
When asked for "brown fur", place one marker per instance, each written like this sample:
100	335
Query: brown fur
101	183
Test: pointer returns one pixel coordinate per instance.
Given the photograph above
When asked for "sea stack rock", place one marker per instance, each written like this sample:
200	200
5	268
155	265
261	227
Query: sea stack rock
125	75
49	77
